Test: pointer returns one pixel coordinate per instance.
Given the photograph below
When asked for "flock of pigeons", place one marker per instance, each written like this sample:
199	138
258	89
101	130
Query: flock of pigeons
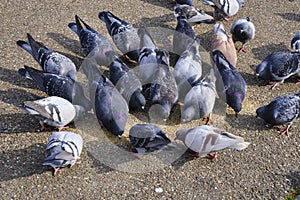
111	98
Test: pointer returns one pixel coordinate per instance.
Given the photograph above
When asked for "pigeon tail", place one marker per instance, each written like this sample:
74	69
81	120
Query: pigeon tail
240	146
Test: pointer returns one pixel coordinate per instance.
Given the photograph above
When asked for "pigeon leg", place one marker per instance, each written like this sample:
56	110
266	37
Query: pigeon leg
56	170
193	153
274	85
63	128
298	81
212	156
286	130
208	120
43	126
242	48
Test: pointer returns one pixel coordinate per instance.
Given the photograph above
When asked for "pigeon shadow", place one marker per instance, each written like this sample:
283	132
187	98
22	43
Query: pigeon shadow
22	162
156	21
16	97
165	4
290	16
184	158
262	52
246	122
294	179
100	166
68	43
18	123
13	77
251	79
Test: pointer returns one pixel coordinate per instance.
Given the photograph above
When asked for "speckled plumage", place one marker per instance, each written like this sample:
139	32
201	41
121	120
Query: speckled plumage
295	43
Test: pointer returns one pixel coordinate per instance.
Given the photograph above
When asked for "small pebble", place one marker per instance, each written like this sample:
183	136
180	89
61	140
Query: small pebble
159	190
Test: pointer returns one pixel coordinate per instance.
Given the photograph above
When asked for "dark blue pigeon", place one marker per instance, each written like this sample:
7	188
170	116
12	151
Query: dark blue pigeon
147	138
57	85
234	84
92	41
295	43
279	66
124	35
183	36
281	110
242	30
110	107
127	83
50	60
187	2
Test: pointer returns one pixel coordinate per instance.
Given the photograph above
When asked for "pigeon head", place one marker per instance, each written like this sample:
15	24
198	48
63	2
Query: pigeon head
188	114
260	111
262	70
137	100
235	100
180	134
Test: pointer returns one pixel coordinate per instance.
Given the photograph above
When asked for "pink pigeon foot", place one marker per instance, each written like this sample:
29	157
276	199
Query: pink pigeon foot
212	156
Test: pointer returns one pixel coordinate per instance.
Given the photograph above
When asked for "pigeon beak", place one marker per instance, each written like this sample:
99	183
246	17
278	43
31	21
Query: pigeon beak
236	115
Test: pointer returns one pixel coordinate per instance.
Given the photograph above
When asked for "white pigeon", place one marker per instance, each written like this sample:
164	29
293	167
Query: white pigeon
54	111
63	150
224	8
203	140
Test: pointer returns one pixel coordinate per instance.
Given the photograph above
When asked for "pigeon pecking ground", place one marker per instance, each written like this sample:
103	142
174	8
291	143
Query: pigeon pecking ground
268	169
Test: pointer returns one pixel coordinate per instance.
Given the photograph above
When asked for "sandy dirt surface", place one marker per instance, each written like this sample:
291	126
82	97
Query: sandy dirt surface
268	169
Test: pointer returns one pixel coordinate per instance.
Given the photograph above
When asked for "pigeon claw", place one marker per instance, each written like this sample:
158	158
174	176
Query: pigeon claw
63	128
208	120
212	156
273	85
242	49
286	130
56	170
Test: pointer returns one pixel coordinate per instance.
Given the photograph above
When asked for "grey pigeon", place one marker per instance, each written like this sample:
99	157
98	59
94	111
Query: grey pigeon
224	8
295	43
63	150
223	42
183	36
127	83
203	140
57	85
242	30
50	60
163	92
234	84
188	69
200	100
92	41
150	57
147	138
279	66
193	15
187	2
281	110
124	35
110	107
54	111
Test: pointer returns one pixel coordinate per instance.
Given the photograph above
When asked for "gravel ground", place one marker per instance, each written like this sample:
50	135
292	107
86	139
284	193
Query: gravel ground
268	169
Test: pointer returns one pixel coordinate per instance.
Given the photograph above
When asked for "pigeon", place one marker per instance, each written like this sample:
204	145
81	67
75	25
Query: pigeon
110	107
187	2
150	57
184	35
147	138
224	8
234	84
193	15
295	43
188	69
50	60
92	41
63	150
200	100
242	30
203	140
163	92
54	111
124	35
223	42
281	110
128	84
57	85
279	66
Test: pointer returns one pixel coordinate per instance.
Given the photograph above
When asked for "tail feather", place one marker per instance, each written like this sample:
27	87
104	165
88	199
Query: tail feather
24	45
36	75
73	27
24	73
35	46
240	146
